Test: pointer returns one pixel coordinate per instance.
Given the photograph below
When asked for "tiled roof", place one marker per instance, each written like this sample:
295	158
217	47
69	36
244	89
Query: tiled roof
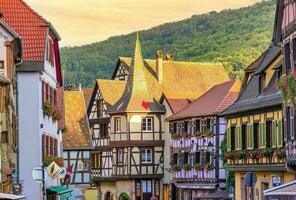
178	104
216	100
137	90
193	78
87	92
250	99
77	135
29	25
111	90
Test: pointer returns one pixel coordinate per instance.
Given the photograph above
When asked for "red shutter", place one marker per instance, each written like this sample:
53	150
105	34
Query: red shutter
55	147
50	95
43	145
55	97
51	146
46	145
46	92
42	82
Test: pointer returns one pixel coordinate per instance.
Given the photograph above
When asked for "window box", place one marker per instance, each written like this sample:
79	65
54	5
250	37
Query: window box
197	166
209	133
187	167
47	160
280	153
175	168
47	108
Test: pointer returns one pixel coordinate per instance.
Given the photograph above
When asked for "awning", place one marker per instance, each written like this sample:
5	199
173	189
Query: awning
201	186
11	196
63	192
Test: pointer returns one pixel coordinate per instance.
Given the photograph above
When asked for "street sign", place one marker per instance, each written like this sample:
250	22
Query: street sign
276	180
53	170
250	179
37	174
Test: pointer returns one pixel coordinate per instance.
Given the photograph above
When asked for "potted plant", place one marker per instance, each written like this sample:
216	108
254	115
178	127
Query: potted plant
209	133
187	167
47	160
56	114
47	108
268	153
256	155
198	134
174	136
175	168
197	166
209	166
280	153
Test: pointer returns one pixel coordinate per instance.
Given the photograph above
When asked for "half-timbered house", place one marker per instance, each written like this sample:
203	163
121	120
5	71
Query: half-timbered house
10	57
196	135
284	33
39	83
76	138
161	77
255	131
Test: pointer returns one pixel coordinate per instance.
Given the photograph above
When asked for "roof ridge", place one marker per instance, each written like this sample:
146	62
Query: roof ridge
35	12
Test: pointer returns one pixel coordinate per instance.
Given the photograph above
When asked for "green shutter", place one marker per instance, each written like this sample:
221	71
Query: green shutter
251	136
228	139
274	133
238	137
248	142
280	133
262	135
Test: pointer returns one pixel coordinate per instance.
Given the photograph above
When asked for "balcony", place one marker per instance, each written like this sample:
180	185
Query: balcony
256	159
101	143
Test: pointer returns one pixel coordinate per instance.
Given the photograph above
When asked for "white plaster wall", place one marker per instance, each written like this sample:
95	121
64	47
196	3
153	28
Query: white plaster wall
4	36
29	104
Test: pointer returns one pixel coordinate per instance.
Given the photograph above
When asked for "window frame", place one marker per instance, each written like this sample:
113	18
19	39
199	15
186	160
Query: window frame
119	156
145	122
117	124
144	159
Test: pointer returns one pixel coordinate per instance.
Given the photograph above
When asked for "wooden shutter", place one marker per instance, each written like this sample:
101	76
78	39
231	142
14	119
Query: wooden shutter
228	139
250	136
238	137
55	147
274	133
43	91
279	133
262	135
46	145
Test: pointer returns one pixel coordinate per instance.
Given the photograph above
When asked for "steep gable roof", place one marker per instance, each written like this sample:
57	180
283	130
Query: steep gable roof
193	79
216	100
29	25
137	90
250	98
111	90
77	135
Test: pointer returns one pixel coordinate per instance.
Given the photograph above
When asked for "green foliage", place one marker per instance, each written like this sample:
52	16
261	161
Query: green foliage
230	179
47	160
232	37
47	108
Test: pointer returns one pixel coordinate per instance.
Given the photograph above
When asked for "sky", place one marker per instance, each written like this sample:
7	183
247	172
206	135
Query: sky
86	21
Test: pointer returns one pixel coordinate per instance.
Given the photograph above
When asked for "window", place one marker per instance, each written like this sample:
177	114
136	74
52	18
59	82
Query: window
146	186
288	129
287	57
197	157
50	52
104	130
1	64
119	156
186	126
175	126
262	82
99	108
175	158
208	124
244	136
208	157
147	124
146	155
197	125
268	134
117	124
232	135
186	158
256	133
49	146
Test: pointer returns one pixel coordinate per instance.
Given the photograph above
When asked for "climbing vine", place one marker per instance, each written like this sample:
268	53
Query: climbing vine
287	87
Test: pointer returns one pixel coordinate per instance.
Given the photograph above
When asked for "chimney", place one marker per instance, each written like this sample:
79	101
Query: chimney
169	56
159	66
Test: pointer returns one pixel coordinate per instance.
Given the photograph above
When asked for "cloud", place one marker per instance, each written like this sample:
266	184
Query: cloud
85	21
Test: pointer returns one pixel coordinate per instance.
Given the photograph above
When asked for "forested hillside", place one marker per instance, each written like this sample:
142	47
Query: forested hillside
233	37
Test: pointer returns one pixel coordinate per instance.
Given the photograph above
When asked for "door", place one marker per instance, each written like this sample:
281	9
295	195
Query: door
147	189
165	192
264	186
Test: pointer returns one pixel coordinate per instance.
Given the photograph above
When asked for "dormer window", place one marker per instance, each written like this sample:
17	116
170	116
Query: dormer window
262	83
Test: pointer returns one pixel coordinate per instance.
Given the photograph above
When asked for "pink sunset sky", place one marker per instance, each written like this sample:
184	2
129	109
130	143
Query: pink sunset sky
85	21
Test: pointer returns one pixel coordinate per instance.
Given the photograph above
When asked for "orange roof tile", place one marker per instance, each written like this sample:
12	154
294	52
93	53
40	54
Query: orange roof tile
29	25
77	135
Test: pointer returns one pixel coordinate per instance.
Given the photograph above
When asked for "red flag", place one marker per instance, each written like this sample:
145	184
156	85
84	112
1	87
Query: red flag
68	174
145	105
